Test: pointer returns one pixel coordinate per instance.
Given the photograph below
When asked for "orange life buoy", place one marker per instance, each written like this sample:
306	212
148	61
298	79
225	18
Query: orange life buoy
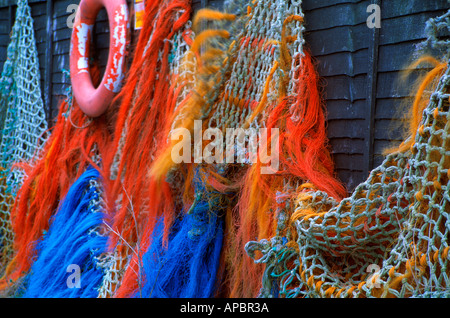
94	101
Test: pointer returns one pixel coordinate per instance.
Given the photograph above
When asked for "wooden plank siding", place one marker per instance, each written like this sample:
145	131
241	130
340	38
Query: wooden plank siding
338	37
5	29
359	66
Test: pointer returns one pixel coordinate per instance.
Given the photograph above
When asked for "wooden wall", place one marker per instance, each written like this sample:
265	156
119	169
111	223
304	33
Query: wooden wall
361	67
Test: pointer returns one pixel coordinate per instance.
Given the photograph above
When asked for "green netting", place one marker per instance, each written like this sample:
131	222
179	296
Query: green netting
390	238
250	70
24	123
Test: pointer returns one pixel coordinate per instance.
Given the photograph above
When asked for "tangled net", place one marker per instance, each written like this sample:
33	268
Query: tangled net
246	67
390	237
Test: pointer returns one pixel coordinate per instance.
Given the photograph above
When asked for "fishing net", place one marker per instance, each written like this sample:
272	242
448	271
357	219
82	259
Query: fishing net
78	142
252	74
257	50
24	123
179	80
77	225
390	237
245	67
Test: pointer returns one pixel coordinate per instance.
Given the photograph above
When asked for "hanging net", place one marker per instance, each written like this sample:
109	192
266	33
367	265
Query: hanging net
390	237
243	68
24	123
165	37
252	73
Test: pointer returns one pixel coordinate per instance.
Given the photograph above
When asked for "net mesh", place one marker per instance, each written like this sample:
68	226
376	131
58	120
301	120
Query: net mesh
254	56
253	71
116	261
388	239
24	123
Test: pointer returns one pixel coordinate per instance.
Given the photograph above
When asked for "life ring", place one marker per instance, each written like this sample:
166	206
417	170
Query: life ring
94	101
